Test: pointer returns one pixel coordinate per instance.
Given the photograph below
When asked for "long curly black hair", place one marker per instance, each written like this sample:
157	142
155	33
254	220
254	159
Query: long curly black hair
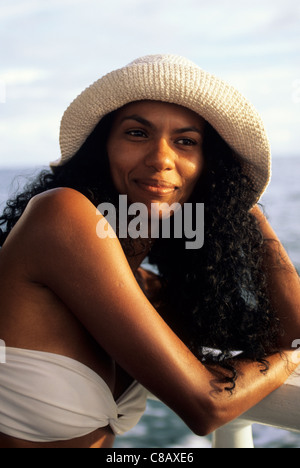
214	298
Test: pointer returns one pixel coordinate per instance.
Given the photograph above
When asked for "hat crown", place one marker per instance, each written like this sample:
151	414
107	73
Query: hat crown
163	59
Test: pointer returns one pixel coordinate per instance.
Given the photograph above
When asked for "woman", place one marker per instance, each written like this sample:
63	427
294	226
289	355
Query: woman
88	331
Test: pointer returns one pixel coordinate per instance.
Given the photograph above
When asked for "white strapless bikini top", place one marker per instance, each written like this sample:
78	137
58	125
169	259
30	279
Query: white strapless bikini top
46	397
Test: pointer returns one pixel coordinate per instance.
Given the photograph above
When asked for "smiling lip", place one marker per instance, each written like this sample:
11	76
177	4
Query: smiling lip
156	186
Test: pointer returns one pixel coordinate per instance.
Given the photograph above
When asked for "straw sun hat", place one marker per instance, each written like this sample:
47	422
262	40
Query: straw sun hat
173	79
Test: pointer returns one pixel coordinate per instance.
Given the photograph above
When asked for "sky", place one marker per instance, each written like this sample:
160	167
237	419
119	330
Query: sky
50	50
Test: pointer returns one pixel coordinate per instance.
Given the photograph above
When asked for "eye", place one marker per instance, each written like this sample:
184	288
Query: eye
136	133
186	142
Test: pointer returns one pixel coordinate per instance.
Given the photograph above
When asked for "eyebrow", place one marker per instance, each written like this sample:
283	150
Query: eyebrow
146	122
139	119
189	129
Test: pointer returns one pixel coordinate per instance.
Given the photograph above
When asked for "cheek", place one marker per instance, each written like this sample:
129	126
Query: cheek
112	154
115	165
119	155
192	170
117	159
122	163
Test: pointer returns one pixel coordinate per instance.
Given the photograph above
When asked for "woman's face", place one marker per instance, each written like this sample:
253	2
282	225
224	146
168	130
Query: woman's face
155	152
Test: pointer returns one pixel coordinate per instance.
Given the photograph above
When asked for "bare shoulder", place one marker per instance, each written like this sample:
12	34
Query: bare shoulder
63	215
58	232
60	194
51	211
59	202
46	217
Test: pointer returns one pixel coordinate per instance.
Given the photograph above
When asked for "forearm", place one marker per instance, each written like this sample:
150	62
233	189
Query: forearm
252	386
283	282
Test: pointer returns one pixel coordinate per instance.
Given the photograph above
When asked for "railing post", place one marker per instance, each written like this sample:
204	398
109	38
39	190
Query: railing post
237	434
2	352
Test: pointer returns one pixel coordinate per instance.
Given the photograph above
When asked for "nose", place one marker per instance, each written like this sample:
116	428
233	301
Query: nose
161	156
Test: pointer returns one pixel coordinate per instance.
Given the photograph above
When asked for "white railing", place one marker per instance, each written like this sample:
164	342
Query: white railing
280	409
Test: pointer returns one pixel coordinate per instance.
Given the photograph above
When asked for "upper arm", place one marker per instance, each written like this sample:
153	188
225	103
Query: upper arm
93	278
282	281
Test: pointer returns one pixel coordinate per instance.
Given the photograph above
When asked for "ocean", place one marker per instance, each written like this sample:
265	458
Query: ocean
160	427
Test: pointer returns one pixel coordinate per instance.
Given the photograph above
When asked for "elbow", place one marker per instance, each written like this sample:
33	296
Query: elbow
204	428
203	421
209	419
